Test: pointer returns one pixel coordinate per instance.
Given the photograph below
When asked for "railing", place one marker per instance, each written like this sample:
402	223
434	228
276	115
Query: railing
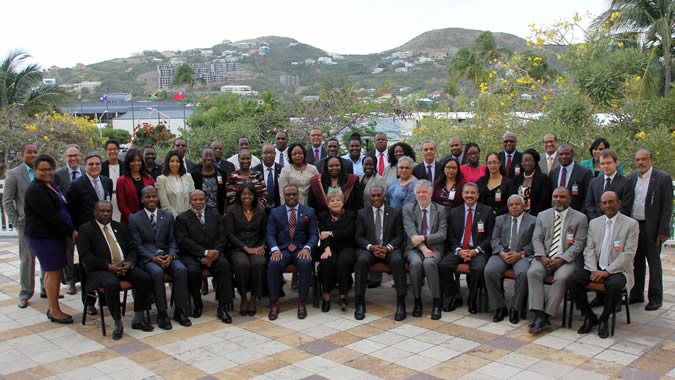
6	229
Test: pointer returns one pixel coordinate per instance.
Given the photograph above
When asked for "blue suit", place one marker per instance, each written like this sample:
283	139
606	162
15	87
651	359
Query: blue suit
306	235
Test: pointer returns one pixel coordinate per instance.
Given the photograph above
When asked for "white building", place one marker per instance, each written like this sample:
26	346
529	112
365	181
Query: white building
175	119
241	90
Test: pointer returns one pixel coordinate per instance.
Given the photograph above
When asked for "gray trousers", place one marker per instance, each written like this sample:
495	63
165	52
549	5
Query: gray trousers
535	284
419	267
27	267
494	277
69	272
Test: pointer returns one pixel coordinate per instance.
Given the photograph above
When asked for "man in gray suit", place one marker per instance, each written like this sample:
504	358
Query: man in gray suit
62	178
559	237
511	248
549	160
425	225
16	183
608	259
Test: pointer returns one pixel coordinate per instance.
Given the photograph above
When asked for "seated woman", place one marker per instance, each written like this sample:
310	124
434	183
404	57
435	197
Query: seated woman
130	184
395	152
334	178
243	175
337	257
533	185
472	170
174	185
246	226
369	179
495	187
593	163
448	186
402	191
298	173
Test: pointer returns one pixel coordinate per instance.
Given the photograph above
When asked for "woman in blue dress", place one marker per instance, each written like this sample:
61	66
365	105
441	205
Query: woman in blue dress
402	191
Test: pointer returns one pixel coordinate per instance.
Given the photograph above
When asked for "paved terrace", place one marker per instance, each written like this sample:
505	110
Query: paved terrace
331	345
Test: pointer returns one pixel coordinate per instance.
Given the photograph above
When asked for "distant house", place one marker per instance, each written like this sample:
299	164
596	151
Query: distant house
310	98
289	80
206	52
403	54
434	95
291	44
401	70
155	60
438	55
49	81
326	60
399	61
424	60
310	61
377	70
264	49
177	61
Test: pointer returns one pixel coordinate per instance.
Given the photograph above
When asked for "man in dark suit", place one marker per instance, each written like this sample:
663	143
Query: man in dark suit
200	234
271	172
380	153
469	233
511	248
152	234
333	149
510	157
611	180
180	146
574	177
653	209
292	233
379	236
429	169
108	257
150	160
88	189
456	151
315	151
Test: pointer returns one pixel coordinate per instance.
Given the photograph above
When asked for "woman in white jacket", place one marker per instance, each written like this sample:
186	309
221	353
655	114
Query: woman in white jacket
174	185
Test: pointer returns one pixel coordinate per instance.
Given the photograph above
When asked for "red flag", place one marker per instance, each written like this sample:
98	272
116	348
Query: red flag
178	96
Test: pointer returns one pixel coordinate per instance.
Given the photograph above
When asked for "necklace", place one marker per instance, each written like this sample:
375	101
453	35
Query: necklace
528	176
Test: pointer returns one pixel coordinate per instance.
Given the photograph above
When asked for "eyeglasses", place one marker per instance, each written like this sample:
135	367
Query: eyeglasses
73	155
405	167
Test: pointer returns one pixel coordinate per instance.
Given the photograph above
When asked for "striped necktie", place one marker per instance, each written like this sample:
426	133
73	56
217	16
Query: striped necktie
555	241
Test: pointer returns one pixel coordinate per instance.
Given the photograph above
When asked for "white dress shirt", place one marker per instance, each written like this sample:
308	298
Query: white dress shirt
641	188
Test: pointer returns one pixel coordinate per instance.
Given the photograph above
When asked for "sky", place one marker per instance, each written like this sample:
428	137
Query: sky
67	32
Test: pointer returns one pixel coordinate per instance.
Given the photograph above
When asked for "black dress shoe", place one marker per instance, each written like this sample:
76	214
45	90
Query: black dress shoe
302	311
400	311
180	316
417	309
64	321
539	325
374	284
117	332
343	304
91	309
223	315
651	306
23	303
436	309
197	311
163	321
325	306
473	307
455	301
71	289
360	312
274	312
143	325
603	329
588	325
500	313
514	316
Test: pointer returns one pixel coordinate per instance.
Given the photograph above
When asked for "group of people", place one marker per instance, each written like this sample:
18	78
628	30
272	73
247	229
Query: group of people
244	220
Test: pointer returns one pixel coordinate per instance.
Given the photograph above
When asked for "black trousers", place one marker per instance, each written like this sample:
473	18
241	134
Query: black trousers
337	268
448	266
110	283
179	273
577	282
394	260
250	271
651	251
220	269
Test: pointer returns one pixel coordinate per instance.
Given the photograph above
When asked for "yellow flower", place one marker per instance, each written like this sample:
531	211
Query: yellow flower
620	44
559	57
640	134
46	138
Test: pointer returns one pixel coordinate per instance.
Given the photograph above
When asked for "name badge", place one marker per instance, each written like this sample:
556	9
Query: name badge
617	245
498	195
220	179
481	227
517	170
570	238
451	195
575	189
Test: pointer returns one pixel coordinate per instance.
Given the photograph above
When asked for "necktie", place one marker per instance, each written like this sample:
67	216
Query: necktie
316	154
114	250
549	164
270	187
97	187
508	164
513	245
425	227
466	241
563	177
378	226
606	246
153	222
281	159
608	181
555	241
380	164
429	175
74	177
291	229
201	218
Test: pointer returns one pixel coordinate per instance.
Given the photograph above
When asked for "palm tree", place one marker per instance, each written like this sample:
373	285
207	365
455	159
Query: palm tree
656	18
487	48
21	85
185	75
466	64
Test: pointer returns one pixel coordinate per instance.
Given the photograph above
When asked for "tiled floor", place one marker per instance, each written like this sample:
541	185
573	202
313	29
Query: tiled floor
331	345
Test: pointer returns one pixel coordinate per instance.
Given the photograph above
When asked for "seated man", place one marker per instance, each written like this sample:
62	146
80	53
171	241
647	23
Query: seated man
292	233
511	248
379	234
558	239
152	234
469	234
108	257
200	234
425	225
608	259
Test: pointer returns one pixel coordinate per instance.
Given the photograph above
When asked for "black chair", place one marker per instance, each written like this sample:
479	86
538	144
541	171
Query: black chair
124	285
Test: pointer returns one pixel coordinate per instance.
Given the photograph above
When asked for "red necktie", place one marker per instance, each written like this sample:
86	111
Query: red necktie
563	177
291	229
380	164
466	241
508	164
316	154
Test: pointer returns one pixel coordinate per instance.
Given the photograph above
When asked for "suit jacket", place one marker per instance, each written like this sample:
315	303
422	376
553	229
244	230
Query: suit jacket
343	230
620	185
575	224
480	240
461	158
154	172
43	213
14	192
197	178
277	172
146	241
127	197
392	228
168	197
306	228
515	161
94	250
82	198
420	170
242	232
310	154
543	164
193	238
347	165
540	193
62	178
658	203
190	166
437	228
580	177
105	168
501	234
626	231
